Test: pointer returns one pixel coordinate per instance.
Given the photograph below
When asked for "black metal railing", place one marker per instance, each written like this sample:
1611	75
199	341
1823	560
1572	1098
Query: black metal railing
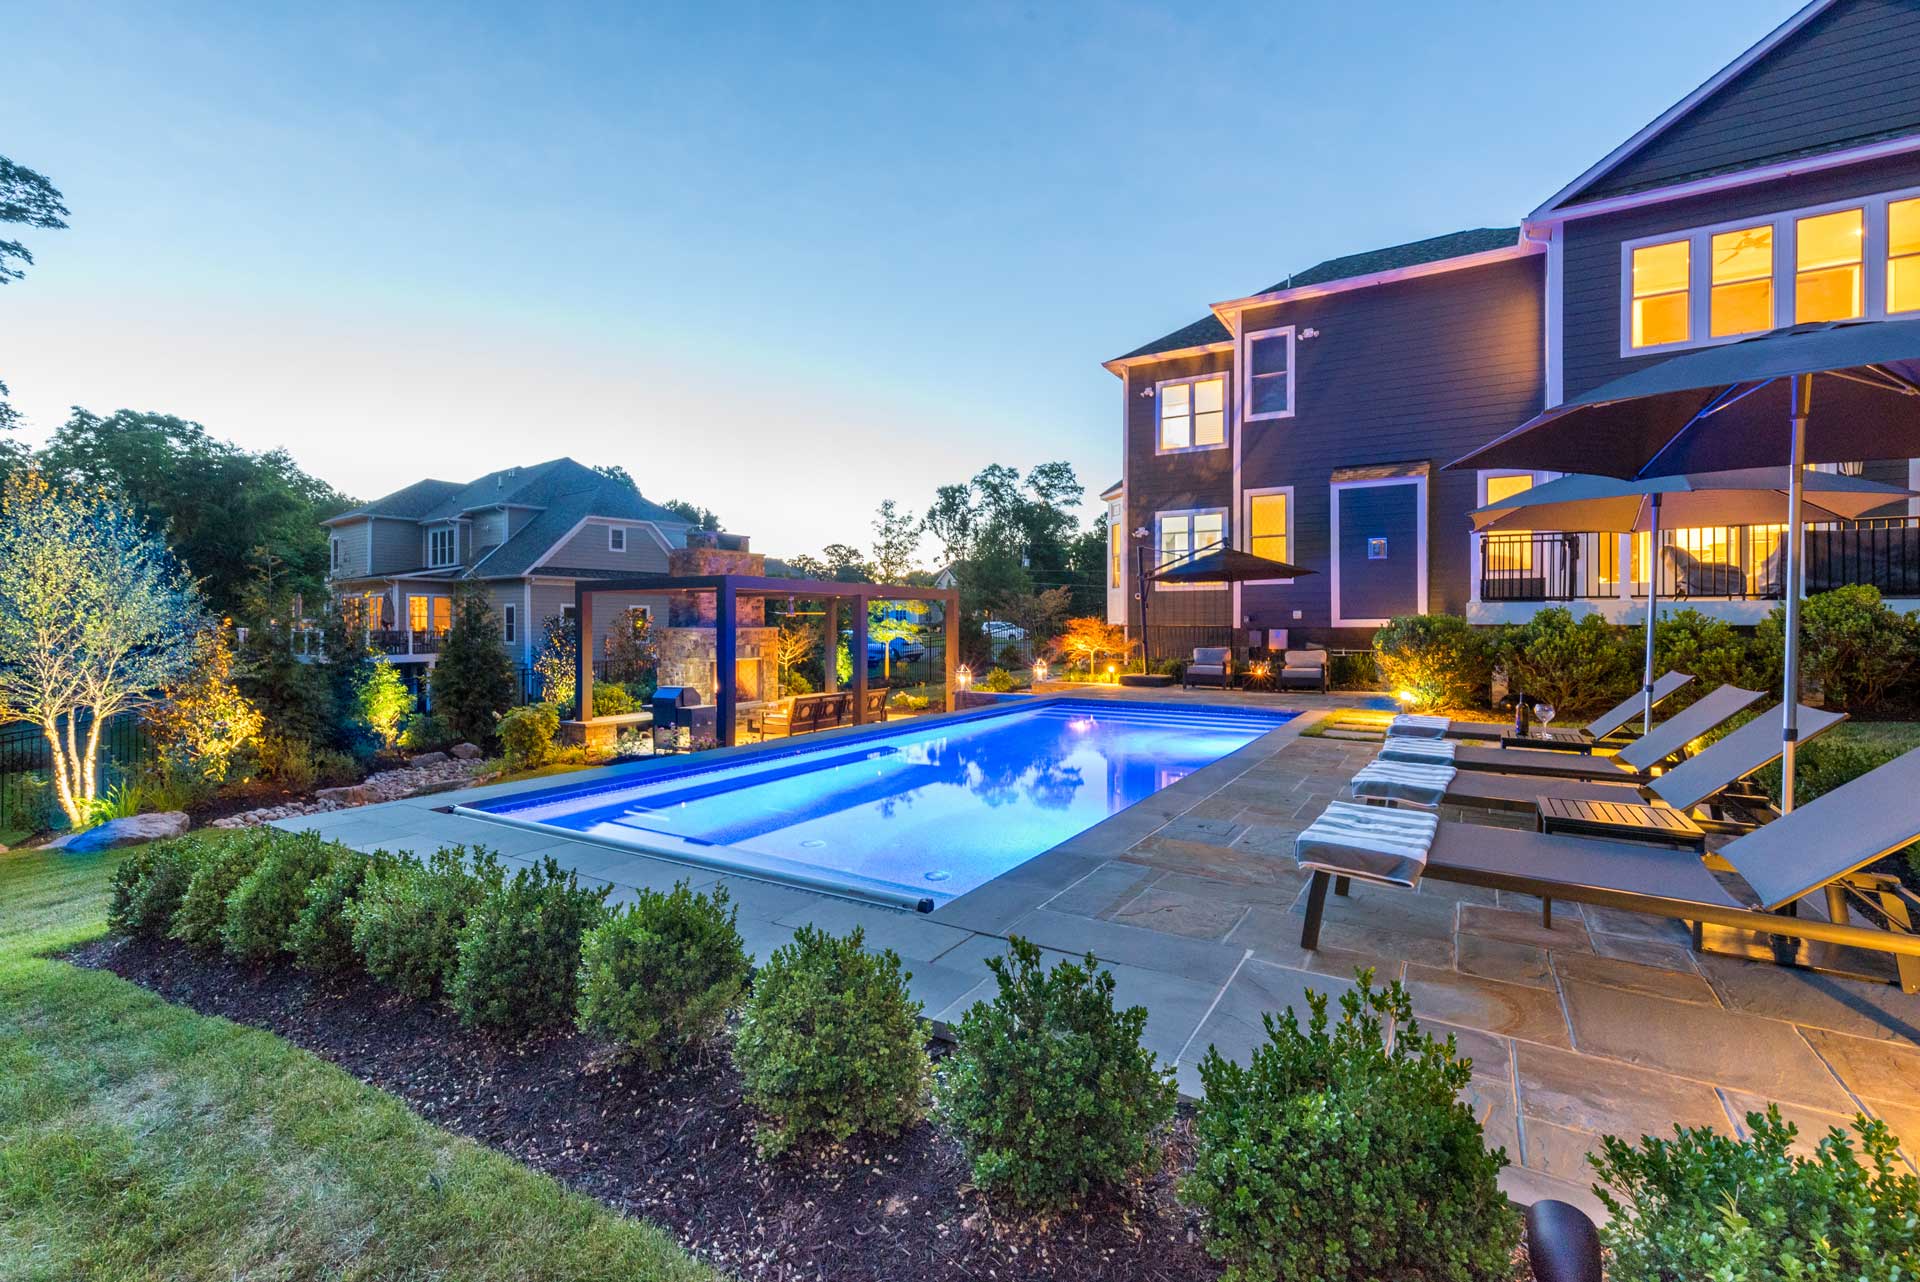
1737	562
27	801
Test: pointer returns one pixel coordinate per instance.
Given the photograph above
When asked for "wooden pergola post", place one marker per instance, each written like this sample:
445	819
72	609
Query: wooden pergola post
950	605
583	653
726	652
857	651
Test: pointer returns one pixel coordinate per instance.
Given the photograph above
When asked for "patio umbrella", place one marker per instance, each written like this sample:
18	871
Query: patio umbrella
1223	564
1828	393
1748	496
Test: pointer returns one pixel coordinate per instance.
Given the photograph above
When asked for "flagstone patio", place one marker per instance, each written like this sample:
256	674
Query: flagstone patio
1606	1023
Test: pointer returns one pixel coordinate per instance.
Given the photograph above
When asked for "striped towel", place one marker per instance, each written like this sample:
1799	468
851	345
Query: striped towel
1373	843
1420	783
1436	752
1412	725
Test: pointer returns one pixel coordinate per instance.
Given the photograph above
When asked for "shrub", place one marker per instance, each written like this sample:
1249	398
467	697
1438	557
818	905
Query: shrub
202	725
425	732
913	702
287	761
830	1044
1703	1205
610	700
1437	658
526	735
263	907
519	953
1574	664
382	701
1334	1156
1708	648
1852	647
222	866
663	973
1050	1092
793	681
407	918
1353	672
148	886
998	681
321	938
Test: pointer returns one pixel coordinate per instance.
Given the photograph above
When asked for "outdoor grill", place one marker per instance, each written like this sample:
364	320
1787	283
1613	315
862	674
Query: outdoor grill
679	718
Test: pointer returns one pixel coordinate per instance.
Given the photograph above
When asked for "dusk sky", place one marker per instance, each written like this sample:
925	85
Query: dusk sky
783	261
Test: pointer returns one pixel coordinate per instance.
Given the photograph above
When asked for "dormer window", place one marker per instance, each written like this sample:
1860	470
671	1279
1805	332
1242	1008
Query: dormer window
616	538
443	547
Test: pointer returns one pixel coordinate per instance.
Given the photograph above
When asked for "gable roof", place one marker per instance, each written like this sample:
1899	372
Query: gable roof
1211	330
1838	77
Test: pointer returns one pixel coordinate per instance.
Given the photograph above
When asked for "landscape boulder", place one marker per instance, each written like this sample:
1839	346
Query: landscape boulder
466	752
123	832
427	759
352	794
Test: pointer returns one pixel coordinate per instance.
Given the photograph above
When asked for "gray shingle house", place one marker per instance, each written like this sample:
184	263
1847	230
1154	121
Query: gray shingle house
1310	422
525	535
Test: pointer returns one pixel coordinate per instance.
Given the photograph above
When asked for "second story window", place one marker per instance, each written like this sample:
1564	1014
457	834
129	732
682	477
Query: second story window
442	546
616	538
1661	294
1193	414
1903	255
1742	298
333	554
1266	382
1829	276
1187	534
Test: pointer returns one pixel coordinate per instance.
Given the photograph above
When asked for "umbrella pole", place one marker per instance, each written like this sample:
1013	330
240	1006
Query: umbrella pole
1790	706
1653	609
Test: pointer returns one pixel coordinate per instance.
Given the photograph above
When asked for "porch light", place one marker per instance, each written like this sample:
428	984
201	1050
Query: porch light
963	676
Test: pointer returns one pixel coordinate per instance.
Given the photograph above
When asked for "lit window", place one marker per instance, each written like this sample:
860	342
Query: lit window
1268	386
1903	255
616	538
1660	294
1187	534
1509	549
1742	297
429	613
1267	526
441	546
1829	272
1193	415
1116	553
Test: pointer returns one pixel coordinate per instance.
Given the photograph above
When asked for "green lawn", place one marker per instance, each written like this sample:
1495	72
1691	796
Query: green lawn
139	1140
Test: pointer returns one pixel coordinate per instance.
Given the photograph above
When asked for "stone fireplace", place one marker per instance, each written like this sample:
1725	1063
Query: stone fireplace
688	643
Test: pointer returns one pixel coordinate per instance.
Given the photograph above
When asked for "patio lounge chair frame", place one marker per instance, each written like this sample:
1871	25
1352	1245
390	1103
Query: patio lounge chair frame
1825	844
1633	763
1604	726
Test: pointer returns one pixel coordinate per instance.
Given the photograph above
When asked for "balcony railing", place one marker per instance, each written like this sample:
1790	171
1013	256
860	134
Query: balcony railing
1738	562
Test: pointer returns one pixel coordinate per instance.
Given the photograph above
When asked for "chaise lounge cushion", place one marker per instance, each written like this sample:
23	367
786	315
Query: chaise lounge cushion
1373	843
1422	784
1433	752
1414	725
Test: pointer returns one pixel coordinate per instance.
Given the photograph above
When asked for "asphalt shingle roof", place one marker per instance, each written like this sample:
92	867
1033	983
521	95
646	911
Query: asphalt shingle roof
1208	329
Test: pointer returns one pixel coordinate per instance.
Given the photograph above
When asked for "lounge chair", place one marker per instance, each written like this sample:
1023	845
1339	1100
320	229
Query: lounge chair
1604	726
801	713
1693	782
1633	764
1303	669
1825	844
1211	665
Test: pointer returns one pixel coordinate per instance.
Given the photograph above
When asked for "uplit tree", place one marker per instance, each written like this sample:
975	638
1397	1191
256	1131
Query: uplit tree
383	701
1092	638
202	723
557	665
96	615
631	652
793	644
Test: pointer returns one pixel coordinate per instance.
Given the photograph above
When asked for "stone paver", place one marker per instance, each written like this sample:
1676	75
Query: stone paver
1512	1010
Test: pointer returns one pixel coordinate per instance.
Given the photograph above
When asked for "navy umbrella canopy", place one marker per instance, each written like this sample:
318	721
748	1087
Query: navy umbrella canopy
1226	565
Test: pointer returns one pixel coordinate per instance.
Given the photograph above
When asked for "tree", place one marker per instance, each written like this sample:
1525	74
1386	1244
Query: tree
794	643
1091	638
557	666
631	652
202	723
383	701
952	519
310	702
890	621
896	540
845	564
472	678
1039	613
29	200
699	518
95	616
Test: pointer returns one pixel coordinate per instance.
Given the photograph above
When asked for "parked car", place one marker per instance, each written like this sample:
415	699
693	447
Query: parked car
905	650
1000	630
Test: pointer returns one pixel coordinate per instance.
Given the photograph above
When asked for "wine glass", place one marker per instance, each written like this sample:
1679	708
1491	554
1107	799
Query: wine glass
1544	711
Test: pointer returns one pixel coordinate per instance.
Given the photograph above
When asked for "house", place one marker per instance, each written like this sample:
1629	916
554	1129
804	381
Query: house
523	535
1309	422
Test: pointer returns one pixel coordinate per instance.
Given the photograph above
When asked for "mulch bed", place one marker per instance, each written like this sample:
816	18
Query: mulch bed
677	1147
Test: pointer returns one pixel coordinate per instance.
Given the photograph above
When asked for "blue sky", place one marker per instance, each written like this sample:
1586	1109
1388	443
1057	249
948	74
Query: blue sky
785	261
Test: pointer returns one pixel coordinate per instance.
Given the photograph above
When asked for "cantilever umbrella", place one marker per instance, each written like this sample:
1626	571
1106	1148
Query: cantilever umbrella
1222	564
1828	393
1749	496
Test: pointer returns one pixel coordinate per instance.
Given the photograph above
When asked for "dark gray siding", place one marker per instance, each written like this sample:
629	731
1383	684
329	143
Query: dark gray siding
1419	370
1591	260
1850	76
1379	589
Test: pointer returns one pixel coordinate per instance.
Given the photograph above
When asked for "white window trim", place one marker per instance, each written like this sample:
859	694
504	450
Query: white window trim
620	530
1245	355
510	623
1700	269
1246	521
333	553
1226	412
453	544
1226	540
1419	543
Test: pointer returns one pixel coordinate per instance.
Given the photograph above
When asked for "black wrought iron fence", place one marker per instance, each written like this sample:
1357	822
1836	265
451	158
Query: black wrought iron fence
27	802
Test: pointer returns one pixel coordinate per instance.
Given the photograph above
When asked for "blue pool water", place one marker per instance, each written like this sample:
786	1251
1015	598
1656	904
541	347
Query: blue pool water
912	813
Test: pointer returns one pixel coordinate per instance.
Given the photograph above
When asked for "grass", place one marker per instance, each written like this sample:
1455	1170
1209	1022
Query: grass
140	1140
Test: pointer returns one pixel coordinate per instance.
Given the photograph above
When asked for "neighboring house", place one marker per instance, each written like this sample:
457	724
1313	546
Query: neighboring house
1310	422
523	535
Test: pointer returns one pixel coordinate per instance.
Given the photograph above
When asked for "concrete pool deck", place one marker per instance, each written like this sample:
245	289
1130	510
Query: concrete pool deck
1606	1023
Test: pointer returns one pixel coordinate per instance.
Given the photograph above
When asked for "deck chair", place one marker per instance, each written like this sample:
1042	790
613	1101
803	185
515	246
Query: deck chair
1606	724
1824	845
1633	763
1693	782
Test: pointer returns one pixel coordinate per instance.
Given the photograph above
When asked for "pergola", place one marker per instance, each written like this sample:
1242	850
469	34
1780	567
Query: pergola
727	590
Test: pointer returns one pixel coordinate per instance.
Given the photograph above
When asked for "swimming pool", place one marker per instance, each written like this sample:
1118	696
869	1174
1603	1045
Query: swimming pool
915	814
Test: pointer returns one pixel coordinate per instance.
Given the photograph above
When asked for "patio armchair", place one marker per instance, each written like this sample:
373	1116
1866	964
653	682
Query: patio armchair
1825	844
1211	665
1303	669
